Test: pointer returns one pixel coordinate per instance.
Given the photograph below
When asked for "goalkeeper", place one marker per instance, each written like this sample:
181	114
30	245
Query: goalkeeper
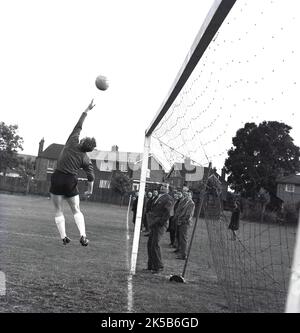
64	179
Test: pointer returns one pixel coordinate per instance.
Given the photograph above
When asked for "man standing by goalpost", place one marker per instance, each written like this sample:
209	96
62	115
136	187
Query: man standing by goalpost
158	219
64	179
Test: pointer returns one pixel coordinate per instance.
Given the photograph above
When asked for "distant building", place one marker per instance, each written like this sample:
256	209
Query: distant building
105	163
191	175
129	163
46	160
288	188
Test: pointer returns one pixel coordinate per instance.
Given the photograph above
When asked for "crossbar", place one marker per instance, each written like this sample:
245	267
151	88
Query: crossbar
209	28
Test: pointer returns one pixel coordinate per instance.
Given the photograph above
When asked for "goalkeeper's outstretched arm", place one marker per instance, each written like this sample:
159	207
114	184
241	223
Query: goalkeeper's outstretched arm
74	136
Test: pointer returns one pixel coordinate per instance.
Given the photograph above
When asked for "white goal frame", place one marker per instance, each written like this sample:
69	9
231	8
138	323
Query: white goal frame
214	19
209	28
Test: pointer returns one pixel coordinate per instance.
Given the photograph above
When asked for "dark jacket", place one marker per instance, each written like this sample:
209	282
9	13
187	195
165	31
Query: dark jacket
134	204
72	158
235	217
149	205
184	211
160	211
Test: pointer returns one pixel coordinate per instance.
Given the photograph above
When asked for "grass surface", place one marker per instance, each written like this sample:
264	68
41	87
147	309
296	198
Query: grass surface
42	275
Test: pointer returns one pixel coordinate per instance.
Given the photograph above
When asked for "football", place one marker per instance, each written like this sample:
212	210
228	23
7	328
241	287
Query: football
101	82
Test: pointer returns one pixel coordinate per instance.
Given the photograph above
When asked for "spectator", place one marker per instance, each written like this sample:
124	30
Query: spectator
154	195
235	219
184	221
172	224
177	206
148	204
153	198
157	223
134	206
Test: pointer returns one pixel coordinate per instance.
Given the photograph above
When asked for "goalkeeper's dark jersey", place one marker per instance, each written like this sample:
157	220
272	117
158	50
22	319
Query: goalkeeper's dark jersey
71	158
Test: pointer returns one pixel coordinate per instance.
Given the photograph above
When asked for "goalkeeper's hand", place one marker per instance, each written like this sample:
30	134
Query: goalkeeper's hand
90	106
87	194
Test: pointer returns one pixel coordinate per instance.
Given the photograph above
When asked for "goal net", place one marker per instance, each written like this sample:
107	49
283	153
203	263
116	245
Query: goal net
241	69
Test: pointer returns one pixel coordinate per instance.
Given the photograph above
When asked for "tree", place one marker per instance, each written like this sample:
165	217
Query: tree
10	142
261	154
120	183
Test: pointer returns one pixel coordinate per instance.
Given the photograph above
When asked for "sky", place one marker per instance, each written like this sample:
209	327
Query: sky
249	73
52	51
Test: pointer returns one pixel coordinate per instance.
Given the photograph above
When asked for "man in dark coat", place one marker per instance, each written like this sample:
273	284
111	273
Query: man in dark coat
235	219
184	221
172	223
157	222
148	205
134	206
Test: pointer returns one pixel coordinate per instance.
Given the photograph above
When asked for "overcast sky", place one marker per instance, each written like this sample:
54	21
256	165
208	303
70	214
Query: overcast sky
52	51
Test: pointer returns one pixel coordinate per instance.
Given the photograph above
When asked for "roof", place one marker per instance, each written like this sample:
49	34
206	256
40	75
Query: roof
52	151
291	179
27	157
120	156
103	155
184	171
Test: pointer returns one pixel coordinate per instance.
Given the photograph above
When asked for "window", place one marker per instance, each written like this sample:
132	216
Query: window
135	187
123	166
289	188
51	164
107	166
104	183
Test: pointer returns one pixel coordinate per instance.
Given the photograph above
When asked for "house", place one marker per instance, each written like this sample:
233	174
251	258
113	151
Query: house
105	163
288	188
46	160
155	173
129	163
191	175
28	158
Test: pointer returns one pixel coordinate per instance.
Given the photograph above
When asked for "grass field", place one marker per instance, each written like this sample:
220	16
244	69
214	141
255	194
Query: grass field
42	275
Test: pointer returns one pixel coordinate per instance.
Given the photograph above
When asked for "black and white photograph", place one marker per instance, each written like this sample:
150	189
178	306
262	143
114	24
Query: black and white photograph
149	159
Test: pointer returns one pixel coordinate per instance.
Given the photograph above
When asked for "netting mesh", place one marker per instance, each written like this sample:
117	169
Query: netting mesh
253	270
247	74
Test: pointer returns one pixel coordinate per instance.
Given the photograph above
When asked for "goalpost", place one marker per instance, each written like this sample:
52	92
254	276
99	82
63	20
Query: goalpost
293	299
241	68
214	19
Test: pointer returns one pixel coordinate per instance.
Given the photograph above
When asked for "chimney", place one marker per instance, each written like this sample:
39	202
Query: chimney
187	160
187	164
41	146
223	174
115	148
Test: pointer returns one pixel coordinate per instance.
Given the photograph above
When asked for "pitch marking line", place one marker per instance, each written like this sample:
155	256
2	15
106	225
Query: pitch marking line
27	235
38	236
129	277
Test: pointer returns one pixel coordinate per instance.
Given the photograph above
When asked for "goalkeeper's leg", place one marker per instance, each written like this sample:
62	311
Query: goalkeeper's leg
59	217
74	203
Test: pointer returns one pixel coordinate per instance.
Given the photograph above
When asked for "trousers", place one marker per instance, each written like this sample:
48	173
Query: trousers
153	247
